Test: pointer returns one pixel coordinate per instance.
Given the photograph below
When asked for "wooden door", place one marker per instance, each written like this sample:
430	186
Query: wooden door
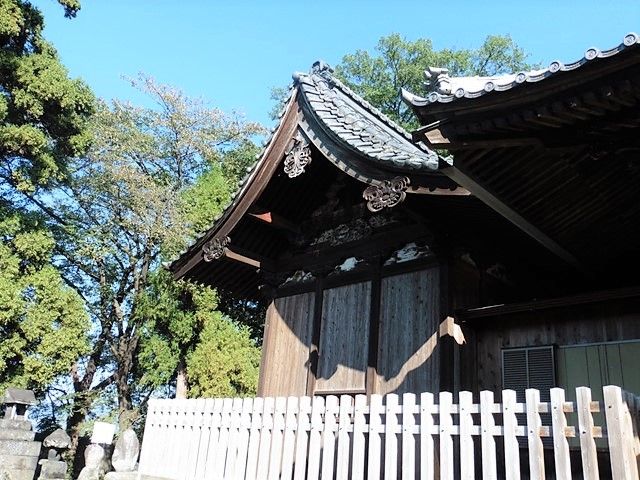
285	350
408	359
344	339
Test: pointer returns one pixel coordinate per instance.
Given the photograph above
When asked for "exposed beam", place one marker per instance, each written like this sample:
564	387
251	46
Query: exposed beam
252	259
270	218
514	217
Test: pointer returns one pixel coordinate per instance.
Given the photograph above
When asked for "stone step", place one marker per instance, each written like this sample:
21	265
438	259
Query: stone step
15	424
51	469
20	474
20	435
15	447
20	462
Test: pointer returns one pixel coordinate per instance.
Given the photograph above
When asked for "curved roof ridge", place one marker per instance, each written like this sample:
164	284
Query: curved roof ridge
358	124
445	89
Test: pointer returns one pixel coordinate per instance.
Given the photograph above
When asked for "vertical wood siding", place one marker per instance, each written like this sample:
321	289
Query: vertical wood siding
409	320
285	356
344	338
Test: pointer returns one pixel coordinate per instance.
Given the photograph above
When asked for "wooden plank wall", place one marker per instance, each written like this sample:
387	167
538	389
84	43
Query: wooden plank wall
595	323
344	338
285	355
409	318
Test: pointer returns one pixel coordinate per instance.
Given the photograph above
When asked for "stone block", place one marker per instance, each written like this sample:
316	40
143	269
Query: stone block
15	424
15	447
20	474
51	469
19	462
20	435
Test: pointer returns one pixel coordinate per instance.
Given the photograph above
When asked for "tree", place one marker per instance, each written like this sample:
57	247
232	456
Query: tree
43	122
43	324
136	198
400	63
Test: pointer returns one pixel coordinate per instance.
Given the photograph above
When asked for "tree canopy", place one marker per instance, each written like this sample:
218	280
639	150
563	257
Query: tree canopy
399	63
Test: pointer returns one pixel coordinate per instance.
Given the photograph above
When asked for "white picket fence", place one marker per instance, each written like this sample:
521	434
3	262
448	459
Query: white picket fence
352	438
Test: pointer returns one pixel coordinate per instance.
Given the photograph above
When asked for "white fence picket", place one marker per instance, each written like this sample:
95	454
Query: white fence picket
408	439
487	441
288	444
467	463
344	443
315	438
375	429
331	411
255	433
304	438
534	441
624	463
447	471
390	438
359	429
427	448
510	426
590	470
560	444
277	436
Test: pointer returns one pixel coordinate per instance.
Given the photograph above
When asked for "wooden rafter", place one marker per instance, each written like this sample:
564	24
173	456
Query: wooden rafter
273	219
514	217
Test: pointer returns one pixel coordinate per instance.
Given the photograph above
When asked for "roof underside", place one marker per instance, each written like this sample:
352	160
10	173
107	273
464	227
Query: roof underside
563	153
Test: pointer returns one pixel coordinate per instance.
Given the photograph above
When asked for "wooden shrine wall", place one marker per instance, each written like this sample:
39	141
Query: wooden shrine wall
285	354
344	338
402	340
408	359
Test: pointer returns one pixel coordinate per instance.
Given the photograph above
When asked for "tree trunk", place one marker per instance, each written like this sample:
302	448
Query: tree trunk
182	385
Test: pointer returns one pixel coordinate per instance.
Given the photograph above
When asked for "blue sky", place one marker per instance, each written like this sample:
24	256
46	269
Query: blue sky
233	52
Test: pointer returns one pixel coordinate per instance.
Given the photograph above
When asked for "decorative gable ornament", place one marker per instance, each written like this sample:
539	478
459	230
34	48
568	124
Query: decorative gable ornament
215	249
298	156
386	195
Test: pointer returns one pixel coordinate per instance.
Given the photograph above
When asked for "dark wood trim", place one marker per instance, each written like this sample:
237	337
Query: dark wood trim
269	163
314	348
265	348
323	256
371	376
446	343
535	305
363	275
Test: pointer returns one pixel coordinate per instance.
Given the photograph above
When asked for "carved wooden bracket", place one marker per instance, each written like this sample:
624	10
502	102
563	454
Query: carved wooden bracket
298	156
215	249
389	194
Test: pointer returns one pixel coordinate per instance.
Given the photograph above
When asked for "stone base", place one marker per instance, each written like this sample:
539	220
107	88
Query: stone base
19	462
121	476
18	474
52	469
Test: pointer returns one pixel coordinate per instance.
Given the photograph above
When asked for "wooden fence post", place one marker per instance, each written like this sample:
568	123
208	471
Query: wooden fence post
534	424
288	442
315	438
344	423
332	409
254	438
624	464
510	427
587	442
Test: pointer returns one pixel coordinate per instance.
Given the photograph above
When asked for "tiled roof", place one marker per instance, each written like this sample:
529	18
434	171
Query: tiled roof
353	121
444	89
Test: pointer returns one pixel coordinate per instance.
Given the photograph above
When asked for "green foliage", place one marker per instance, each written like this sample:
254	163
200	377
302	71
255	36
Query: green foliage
43	324
183	325
399	63
43	113
225	360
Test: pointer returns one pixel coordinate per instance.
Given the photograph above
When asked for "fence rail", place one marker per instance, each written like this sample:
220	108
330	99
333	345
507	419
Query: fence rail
357	438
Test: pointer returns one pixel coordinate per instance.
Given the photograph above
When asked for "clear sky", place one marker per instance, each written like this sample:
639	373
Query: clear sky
233	52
